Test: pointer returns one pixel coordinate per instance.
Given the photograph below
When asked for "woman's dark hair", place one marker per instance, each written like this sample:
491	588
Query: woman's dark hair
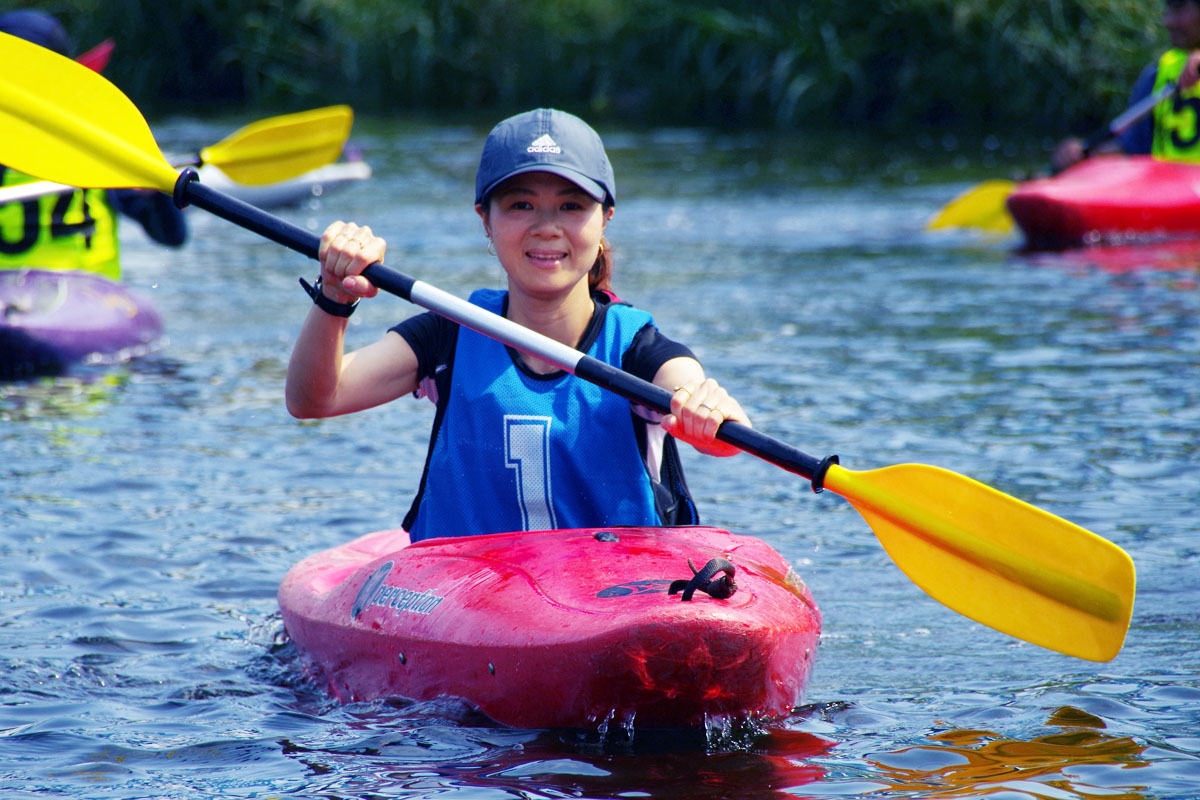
600	275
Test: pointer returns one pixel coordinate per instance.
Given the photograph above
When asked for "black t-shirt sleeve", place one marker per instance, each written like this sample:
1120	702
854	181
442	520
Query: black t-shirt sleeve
431	338
649	351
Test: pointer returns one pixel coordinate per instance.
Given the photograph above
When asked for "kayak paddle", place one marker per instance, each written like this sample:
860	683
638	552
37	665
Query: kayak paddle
982	206
273	149
983	553
282	147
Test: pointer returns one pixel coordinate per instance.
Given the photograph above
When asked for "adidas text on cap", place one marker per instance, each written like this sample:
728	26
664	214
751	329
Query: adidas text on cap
546	140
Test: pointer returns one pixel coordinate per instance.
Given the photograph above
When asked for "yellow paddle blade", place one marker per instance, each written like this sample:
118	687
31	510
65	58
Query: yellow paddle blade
63	122
279	148
996	559
981	206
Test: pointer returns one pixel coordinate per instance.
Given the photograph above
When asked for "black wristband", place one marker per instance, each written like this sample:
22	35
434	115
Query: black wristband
324	303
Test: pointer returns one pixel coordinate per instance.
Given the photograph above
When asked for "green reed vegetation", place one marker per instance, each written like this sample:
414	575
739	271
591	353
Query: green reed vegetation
1040	65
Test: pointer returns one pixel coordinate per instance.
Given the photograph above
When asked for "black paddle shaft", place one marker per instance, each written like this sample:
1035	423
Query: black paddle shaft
189	190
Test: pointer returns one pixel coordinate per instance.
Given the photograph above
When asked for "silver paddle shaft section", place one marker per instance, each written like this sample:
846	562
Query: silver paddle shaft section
1139	109
1126	120
495	326
31	191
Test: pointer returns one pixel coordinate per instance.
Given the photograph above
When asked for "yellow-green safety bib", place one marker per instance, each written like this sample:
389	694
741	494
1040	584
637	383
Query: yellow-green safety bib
1176	121
74	231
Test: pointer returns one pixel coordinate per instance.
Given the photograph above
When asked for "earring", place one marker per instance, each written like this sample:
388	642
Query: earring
491	249
601	248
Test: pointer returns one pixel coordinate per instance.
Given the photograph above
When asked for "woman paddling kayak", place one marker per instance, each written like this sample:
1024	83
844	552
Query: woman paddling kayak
518	444
1171	132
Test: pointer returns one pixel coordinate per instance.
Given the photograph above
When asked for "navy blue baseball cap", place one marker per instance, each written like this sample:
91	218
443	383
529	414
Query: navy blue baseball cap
37	27
546	140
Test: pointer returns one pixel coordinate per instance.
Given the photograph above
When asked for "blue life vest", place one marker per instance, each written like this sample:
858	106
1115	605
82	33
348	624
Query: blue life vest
513	451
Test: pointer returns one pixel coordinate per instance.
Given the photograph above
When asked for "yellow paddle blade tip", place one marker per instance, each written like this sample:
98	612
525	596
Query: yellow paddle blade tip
65	123
981	207
282	147
996	559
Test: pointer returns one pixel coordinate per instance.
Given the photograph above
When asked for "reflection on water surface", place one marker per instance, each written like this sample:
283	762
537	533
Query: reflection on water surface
149	510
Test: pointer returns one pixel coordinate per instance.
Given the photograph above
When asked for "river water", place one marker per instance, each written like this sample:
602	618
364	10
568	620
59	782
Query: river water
150	509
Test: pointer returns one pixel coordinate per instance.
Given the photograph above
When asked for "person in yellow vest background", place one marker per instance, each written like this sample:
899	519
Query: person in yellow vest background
1173	130
74	230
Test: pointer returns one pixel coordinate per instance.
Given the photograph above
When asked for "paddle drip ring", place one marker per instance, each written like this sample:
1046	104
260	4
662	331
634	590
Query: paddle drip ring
719	588
180	193
818	478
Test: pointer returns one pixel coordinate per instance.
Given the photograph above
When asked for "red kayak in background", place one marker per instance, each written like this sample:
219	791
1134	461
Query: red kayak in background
560	629
1108	199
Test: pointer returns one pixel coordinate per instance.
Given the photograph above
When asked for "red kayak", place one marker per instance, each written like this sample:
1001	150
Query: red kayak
1109	199
50	320
560	629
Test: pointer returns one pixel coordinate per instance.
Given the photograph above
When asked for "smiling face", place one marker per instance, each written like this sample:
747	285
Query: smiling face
546	231
1182	21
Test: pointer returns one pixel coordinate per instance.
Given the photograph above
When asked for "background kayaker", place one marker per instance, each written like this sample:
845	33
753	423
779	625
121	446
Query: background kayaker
1172	131
516	443
74	230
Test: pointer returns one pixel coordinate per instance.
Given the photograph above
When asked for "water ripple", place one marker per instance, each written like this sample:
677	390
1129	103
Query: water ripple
150	509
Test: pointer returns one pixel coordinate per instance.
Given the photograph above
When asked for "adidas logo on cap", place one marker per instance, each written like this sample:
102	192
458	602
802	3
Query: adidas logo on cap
543	144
